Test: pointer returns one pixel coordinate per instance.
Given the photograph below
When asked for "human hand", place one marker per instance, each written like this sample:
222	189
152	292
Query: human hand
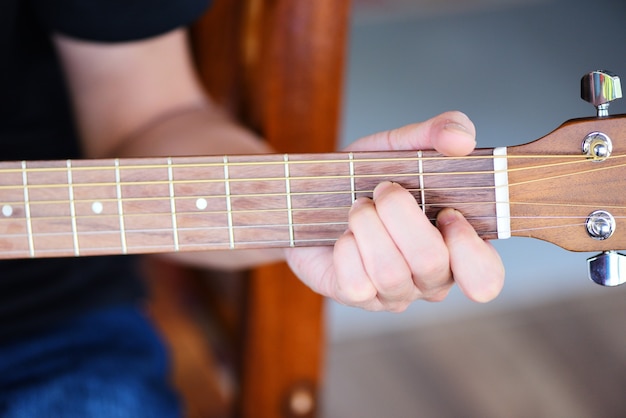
391	255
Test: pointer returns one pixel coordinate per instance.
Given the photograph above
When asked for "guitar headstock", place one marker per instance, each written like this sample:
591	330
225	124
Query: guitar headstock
569	187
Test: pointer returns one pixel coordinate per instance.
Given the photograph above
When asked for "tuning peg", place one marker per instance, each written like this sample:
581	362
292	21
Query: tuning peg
607	268
600	88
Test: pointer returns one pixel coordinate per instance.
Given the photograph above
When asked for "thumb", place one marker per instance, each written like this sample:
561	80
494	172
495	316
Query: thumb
450	133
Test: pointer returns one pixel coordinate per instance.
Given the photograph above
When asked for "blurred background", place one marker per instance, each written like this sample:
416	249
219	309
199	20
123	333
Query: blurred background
550	344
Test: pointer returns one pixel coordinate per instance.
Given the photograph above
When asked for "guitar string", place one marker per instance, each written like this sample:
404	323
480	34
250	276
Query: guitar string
205	214
410	157
282	194
578	159
218	163
341	224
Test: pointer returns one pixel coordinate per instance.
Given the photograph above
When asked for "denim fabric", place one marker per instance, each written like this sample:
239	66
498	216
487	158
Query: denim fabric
108	363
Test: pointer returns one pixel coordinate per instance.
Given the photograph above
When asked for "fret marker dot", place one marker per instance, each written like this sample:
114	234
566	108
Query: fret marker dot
97	207
7	210
201	204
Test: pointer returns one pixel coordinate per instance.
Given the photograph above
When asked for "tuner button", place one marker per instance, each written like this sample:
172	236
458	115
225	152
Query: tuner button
600	225
607	268
600	88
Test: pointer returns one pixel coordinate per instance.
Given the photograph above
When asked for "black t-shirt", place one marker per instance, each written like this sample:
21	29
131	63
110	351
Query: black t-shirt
36	123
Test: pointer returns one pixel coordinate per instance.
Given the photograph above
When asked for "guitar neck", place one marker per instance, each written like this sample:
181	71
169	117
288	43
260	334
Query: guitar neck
148	205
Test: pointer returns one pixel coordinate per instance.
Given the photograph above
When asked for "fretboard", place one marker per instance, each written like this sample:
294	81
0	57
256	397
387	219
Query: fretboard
148	205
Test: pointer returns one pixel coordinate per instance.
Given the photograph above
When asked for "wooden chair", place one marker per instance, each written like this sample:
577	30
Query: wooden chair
277	66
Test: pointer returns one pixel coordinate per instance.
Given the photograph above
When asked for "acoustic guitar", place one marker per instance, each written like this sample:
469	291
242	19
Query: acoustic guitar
566	188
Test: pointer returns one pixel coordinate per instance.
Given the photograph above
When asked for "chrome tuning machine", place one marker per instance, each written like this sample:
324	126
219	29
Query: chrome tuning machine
600	88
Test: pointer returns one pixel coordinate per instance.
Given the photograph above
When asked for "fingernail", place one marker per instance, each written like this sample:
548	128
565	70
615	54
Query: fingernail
360	201
455	126
382	188
448	216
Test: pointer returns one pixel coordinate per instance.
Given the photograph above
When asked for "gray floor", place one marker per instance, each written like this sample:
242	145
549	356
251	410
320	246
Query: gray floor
563	359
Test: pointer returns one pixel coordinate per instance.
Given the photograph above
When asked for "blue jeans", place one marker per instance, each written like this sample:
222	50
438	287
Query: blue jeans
109	363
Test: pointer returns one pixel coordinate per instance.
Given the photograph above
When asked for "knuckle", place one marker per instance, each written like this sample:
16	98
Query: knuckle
438	294
395	288
393	280
356	295
397	307
436	266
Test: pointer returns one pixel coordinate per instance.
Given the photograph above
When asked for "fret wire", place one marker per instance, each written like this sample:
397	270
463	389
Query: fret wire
120	206
501	184
72	208
288	195
229	212
170	177
420	165
352	180
29	223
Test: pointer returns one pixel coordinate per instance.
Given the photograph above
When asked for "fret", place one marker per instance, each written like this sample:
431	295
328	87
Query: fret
501	182
147	205
170	179
463	184
322	191
288	198
49	208
229	206
352	186
70	191
14	238
96	206
258	200
420	166
29	224
120	206
397	167
202	216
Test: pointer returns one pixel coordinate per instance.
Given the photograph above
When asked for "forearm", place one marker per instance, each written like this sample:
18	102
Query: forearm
192	129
